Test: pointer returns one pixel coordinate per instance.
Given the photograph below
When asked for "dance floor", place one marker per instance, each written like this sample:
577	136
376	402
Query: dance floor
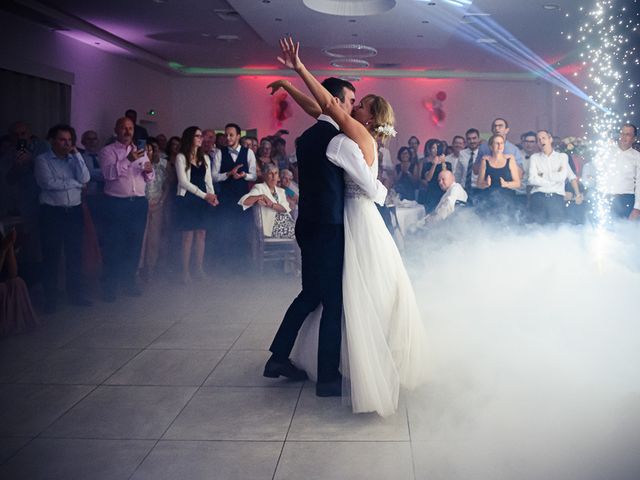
170	386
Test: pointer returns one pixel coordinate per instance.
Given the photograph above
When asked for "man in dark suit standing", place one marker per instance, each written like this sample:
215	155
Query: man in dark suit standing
320	235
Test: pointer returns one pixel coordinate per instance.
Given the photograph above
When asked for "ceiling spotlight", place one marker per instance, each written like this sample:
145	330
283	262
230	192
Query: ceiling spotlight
350	63
354	50
551	6
425	21
278	19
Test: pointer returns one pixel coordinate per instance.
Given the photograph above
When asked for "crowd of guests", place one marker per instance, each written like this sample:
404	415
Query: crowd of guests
534	181
119	210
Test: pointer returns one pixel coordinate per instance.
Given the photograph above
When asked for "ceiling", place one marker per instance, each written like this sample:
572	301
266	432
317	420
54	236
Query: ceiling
416	38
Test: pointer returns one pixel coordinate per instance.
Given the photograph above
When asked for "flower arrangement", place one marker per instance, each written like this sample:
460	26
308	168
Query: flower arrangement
387	130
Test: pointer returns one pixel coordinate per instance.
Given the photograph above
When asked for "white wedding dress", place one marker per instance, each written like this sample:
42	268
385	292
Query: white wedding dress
383	336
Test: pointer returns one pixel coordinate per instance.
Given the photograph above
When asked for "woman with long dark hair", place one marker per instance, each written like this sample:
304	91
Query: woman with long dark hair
195	196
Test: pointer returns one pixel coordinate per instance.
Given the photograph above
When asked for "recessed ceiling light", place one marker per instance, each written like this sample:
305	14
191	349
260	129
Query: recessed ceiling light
551	6
425	21
486	40
278	19
266	1
354	34
96	43
352	20
353	50
205	34
420	35
228	38
159	1
350	63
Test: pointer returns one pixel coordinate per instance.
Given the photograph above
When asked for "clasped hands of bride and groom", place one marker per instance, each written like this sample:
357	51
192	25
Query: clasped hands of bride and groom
355	326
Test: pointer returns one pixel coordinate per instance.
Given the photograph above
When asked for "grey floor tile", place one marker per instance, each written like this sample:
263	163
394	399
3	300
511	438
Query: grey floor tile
123	413
120	335
244	368
199	335
206	460
67	459
221	413
345	460
258	336
90	366
168	367
29	409
16	358
10	445
328	419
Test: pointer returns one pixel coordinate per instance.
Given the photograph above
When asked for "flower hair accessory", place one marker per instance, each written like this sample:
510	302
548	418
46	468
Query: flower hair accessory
387	130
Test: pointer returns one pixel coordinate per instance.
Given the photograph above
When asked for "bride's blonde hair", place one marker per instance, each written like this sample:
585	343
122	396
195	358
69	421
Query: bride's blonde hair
381	113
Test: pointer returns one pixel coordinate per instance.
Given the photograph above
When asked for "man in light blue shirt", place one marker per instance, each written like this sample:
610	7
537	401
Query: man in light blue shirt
61	175
501	127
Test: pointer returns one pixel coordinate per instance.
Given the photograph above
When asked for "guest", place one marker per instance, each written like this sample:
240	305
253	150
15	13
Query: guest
274	209
16	312
91	143
250	142
195	197
501	127
170	154
161	138
414	144
221	140
621	178
264	157
499	176
233	168
61	175
156	192
94	202
139	133
548	172
453	195
209	143
279	155
20	177
291	189
457	145
434	163
405	183
464	172
126	172
169	241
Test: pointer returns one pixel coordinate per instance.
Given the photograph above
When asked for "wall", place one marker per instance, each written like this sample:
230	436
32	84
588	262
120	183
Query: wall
104	85
212	102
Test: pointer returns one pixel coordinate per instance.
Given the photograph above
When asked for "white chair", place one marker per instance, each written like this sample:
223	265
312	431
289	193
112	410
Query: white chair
267	249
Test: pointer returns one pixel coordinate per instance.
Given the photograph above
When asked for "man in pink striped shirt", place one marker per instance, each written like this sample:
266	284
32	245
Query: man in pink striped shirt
126	170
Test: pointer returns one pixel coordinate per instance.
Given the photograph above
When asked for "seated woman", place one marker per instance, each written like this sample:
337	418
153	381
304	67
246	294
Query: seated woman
274	208
16	312
405	183
432	164
499	177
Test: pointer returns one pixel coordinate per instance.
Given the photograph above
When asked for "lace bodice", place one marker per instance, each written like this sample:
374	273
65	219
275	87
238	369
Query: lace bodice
352	189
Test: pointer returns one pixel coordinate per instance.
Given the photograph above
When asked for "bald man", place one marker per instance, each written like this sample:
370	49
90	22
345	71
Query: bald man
453	193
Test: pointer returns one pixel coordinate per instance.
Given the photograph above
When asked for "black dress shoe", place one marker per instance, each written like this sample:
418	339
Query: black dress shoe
329	389
275	369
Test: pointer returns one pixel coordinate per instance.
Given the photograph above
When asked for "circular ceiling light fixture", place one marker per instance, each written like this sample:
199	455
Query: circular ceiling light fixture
350	63
351	50
350	8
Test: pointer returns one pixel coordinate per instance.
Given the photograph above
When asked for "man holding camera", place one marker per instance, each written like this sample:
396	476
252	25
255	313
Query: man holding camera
126	170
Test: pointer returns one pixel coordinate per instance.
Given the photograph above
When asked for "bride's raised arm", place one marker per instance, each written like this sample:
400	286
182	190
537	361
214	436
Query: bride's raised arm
329	104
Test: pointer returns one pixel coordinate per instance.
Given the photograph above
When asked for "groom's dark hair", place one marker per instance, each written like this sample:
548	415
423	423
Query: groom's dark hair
336	87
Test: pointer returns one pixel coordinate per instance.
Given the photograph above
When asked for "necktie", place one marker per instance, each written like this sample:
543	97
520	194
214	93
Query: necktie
94	159
467	180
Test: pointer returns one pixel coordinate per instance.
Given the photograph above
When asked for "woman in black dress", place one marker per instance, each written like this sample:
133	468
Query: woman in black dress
499	177
195	197
432	164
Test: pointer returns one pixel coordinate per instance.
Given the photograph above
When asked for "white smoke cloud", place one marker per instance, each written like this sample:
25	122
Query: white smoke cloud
535	352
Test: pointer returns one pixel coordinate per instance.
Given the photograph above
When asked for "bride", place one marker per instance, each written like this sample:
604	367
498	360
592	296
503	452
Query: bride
383	340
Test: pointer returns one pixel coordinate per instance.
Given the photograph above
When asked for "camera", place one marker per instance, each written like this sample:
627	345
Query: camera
440	149
141	144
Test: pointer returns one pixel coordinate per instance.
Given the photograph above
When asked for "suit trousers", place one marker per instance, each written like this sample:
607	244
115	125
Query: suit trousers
124	221
548	208
322	251
62	230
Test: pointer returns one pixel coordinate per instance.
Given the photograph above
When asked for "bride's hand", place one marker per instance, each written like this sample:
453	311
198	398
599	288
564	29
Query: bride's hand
290	58
277	85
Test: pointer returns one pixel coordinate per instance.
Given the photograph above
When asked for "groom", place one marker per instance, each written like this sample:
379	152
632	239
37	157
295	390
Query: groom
320	235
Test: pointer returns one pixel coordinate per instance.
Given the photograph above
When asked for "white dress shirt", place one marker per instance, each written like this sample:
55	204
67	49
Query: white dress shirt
460	170
622	173
548	173
447	203
184	178
345	153
453	160
217	161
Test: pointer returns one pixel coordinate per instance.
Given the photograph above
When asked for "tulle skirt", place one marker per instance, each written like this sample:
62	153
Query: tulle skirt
383	336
